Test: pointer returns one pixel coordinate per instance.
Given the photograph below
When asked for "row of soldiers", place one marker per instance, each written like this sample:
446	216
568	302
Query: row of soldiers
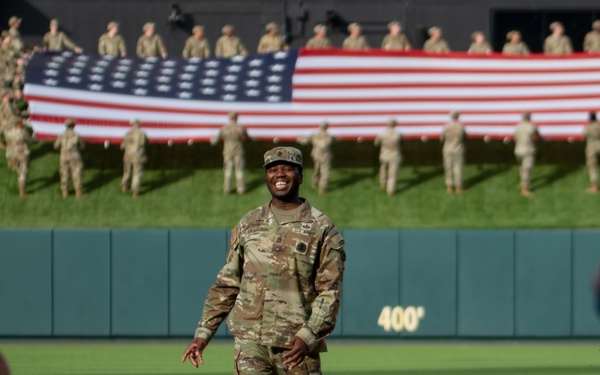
233	135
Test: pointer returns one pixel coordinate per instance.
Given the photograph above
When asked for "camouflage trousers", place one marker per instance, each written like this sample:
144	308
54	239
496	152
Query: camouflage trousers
388	173
453	168
72	168
21	163
527	161
591	161
233	163
322	171
254	359
137	167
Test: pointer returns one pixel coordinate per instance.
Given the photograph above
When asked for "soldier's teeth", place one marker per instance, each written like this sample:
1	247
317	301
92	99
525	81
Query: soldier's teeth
280	184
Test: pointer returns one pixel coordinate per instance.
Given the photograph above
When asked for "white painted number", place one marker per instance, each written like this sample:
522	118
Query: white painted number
399	319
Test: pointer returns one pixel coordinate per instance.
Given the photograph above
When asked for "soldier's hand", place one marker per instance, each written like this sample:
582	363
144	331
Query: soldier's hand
297	354
194	352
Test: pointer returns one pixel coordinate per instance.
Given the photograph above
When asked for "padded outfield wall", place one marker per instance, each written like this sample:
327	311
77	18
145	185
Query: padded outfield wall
398	283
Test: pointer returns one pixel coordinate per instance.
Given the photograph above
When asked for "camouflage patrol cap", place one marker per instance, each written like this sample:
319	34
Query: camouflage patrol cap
284	154
554	25
227	28
512	33
270	26
526	116
112	24
476	33
353	26
135	121
54	21
393	23
324	125
14	20
454	114
148	25
433	30
233	115
596	25
319	27
197	28
391	122
70	123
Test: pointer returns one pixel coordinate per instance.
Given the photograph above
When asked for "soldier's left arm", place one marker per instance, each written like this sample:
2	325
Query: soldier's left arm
69	43
328	284
242	49
161	46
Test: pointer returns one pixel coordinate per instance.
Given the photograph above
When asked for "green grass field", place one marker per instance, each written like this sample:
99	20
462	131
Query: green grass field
192	197
342	358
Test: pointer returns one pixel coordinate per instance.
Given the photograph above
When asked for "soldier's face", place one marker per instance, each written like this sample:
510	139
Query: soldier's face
283	181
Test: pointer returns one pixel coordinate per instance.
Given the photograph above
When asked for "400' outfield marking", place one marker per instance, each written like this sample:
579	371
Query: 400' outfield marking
400	318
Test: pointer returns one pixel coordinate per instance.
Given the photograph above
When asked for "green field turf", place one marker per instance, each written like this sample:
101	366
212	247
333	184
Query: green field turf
192	197
359	359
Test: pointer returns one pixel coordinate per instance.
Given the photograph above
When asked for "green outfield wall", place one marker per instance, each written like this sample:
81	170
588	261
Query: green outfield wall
405	283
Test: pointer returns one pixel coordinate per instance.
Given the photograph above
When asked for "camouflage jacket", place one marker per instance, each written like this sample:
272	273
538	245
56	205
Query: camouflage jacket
525	133
480	48
70	143
321	144
280	280
229	46
111	46
270	43
453	134
395	42
519	48
558	46
16	142
436	46
134	144
58	42
196	48
358	43
390	144
318	43
591	43
591	133
150	46
233	136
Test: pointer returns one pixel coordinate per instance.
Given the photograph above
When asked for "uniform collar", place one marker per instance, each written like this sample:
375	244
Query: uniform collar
302	215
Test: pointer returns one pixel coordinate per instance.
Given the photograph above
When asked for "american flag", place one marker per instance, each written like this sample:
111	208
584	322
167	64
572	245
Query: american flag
286	95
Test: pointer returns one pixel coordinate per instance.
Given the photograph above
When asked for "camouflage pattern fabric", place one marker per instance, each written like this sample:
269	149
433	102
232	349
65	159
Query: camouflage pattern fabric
519	48
270	43
591	134
395	42
389	159
111	46
358	43
134	157
525	150
453	152
591	42
318	43
70	143
436	46
58	42
558	45
196	48
229	46
150	46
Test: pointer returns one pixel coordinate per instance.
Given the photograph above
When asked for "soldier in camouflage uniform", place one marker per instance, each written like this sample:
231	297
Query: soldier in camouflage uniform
111	43
229	45
557	43
272	40
281	287
479	46
453	135
134	157
8	116
514	45
525	134
55	40
435	43
18	45
17	140
321	142
320	40
233	136
196	45
355	41
591	42
591	134
150	44
396	40
70	143
389	157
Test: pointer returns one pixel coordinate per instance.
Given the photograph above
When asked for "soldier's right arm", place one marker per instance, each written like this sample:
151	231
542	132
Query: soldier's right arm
186	49
547	46
46	41
57	143
139	49
218	48
101	49
122	48
223	293
241	48
587	43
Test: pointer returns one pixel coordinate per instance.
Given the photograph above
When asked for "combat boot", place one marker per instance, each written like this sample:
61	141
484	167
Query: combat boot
78	193
124	188
22	192
526	192
593	189
135	193
65	192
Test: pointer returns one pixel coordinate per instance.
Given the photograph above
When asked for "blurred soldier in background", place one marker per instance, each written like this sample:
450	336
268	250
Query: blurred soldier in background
389	157
479	46
435	43
557	43
229	45
320	40
55	40
453	136
591	42
321	142
70	143
17	140
355	41
525	134
150	44
17	43
196	45
134	156
8	116
111	43
233	136
514	45
272	40
396	40
591	134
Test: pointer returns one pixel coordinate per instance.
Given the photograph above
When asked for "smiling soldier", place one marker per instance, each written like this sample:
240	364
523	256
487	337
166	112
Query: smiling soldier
280	289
